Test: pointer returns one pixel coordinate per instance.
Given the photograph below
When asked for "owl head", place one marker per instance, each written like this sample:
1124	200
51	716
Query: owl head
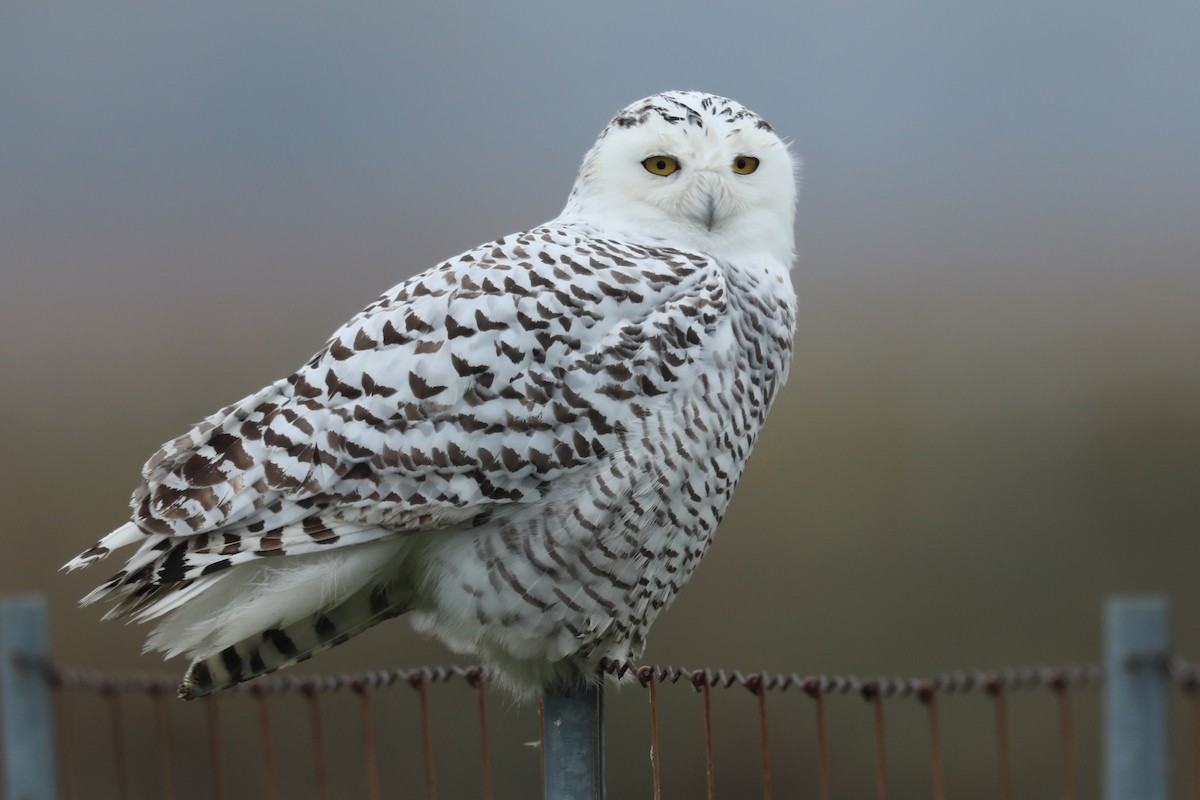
692	170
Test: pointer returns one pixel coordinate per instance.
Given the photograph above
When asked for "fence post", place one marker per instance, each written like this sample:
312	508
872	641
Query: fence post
573	744
26	702
1137	649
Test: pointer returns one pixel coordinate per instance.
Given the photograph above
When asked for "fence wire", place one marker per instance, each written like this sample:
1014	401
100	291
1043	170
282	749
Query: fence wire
996	686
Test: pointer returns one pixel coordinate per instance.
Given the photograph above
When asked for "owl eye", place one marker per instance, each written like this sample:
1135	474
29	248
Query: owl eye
660	165
744	165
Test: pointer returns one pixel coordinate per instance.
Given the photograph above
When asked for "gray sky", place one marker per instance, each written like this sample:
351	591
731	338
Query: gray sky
145	140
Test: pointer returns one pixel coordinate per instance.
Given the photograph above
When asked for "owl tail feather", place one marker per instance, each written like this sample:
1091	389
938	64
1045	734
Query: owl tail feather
276	648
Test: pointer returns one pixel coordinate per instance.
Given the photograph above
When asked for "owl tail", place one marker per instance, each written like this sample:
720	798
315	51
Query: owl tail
276	648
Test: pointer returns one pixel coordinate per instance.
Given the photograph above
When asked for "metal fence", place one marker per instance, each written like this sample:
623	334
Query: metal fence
38	699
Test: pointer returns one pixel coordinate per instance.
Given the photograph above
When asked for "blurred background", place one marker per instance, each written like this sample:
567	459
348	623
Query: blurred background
991	423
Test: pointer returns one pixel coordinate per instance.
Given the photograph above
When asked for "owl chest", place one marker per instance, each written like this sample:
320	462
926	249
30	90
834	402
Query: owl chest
751	358
684	459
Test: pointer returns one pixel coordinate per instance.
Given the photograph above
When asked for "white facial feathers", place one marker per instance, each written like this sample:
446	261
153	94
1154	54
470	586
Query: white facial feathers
705	204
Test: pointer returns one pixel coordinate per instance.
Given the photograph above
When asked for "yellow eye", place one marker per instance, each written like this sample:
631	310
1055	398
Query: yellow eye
660	165
744	165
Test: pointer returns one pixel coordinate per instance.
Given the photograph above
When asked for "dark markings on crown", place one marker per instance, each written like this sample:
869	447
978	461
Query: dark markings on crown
675	110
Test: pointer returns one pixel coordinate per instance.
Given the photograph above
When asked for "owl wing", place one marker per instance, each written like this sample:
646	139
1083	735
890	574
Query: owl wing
464	390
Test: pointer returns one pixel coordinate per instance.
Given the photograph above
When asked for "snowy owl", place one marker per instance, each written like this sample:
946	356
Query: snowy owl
526	449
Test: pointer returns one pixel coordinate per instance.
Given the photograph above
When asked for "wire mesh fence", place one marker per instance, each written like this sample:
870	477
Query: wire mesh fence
372	734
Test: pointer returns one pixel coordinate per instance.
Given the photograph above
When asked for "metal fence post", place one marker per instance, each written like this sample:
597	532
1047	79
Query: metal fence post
573	744
1137	649
26	702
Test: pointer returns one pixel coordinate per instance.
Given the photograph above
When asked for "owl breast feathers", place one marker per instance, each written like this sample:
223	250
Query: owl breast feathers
527	448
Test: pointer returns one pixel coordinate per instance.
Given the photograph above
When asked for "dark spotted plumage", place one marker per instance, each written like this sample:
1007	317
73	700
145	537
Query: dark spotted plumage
528	448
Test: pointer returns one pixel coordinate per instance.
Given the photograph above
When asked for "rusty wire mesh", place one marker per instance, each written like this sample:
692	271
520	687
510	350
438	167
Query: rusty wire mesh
1059	683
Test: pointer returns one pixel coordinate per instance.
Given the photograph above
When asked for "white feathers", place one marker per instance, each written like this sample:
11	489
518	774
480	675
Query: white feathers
127	534
273	593
752	216
529	446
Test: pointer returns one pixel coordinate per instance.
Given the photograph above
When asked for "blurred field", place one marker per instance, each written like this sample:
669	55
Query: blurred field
942	485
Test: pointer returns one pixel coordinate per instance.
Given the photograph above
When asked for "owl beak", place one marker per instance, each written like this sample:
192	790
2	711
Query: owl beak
710	212
709	209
